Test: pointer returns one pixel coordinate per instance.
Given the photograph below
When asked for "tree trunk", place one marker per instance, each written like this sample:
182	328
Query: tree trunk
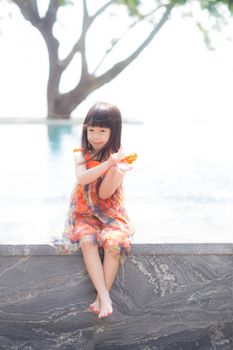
62	105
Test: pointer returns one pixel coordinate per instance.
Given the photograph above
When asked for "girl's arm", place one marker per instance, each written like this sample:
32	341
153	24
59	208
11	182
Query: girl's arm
113	179
86	176
111	182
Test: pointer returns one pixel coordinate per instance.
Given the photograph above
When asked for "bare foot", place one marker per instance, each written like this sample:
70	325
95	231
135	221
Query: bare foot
105	307
95	306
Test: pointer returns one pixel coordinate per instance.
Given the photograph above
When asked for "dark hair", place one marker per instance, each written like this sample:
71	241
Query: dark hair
103	115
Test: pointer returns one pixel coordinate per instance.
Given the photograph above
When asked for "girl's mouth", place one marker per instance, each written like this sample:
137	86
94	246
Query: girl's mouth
97	143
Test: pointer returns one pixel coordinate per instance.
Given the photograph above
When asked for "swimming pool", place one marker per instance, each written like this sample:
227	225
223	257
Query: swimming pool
179	190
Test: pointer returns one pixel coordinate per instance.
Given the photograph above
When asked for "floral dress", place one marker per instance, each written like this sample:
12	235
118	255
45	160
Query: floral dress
102	222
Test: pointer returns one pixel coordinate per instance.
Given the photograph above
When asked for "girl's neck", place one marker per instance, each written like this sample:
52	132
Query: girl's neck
93	153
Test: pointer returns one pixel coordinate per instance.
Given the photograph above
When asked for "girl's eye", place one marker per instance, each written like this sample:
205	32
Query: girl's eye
103	130
90	130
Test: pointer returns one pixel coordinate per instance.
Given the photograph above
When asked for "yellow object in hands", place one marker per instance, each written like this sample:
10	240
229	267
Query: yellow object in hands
129	159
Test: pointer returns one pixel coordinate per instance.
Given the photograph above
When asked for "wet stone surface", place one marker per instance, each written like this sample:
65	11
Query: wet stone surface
165	297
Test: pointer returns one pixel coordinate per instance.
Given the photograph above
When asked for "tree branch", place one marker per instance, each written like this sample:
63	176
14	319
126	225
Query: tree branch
51	14
116	41
29	10
85	26
79	45
120	66
91	83
85	11
101	10
66	61
46	30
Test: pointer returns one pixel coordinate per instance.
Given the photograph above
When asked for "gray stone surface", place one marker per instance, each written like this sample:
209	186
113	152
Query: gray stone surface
165	297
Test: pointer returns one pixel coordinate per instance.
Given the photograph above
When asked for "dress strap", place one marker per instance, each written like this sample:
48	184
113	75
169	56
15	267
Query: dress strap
89	163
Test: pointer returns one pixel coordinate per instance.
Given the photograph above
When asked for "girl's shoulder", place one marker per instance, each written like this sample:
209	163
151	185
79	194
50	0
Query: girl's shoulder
80	155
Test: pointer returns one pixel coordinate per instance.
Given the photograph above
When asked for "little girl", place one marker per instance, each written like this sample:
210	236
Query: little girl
97	217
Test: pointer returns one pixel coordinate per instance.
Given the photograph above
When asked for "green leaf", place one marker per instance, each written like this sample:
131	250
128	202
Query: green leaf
206	36
65	2
178	2
132	6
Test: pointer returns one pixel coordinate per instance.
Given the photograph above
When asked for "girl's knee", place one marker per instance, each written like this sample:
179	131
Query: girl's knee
115	252
88	246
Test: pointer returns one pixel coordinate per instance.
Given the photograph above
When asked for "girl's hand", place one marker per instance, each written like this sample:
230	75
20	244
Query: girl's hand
123	167
115	158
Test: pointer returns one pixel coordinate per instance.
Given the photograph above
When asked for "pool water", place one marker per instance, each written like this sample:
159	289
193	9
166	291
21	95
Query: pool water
180	190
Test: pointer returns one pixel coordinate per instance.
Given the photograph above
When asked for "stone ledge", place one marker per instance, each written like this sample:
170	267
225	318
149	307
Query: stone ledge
137	249
165	297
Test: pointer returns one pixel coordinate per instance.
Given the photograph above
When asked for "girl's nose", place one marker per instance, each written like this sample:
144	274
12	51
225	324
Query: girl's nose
95	138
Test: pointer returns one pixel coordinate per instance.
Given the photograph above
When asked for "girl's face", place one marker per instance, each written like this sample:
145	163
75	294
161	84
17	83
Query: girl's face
98	137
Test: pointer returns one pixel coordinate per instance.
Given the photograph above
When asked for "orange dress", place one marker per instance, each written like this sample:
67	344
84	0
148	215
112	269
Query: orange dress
102	222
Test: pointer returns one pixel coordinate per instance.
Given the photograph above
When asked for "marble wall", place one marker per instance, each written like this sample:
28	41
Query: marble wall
165	297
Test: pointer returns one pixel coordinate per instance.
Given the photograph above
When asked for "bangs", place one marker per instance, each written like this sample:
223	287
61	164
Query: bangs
100	119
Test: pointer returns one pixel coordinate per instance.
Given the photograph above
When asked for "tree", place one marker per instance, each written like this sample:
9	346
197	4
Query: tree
61	105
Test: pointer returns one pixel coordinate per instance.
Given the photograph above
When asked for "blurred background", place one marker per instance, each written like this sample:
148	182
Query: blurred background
175	97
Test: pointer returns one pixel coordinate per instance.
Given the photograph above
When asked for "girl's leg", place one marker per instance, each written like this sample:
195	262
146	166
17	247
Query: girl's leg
110	268
96	272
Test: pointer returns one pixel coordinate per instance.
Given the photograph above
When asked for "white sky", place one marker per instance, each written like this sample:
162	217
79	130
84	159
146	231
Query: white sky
176	76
